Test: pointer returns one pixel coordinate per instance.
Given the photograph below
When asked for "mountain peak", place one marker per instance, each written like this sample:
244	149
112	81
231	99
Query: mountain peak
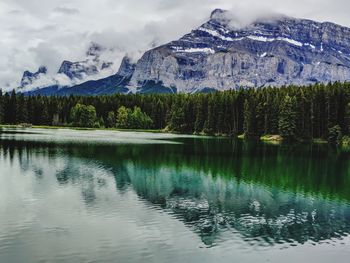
127	68
29	77
217	13
65	67
42	69
94	49
77	70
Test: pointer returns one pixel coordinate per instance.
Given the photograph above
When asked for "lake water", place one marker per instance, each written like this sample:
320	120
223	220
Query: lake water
103	196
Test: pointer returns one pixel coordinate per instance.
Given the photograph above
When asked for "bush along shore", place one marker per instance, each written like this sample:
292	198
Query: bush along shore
319	113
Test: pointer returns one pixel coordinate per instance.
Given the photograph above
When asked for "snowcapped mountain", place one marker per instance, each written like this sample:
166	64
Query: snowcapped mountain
272	52
29	77
116	83
219	55
70	73
92	65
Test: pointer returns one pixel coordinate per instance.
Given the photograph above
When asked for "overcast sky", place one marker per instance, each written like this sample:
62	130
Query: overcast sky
45	32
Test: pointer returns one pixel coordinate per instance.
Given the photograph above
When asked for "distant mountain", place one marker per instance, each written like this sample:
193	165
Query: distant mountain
110	85
92	65
73	72
28	77
217	56
113	84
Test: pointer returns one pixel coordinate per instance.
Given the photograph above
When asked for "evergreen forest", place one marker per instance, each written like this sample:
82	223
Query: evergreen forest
294	113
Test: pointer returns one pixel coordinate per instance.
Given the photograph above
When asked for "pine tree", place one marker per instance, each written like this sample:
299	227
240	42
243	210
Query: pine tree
347	118
200	115
1	108
190	117
287	118
249	125
210	123
159	116
21	110
10	108
177	119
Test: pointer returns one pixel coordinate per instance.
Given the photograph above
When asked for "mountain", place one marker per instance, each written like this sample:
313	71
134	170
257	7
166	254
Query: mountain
266	53
92	65
219	56
73	73
113	84
29	77
109	85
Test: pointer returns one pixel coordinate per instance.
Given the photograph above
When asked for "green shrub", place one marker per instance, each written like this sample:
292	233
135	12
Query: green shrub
335	135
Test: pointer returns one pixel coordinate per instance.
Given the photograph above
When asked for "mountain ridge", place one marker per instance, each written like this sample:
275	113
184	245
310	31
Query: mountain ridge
69	73
217	56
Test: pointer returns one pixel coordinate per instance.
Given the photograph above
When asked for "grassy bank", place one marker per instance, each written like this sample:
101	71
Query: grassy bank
276	139
279	139
79	128
271	138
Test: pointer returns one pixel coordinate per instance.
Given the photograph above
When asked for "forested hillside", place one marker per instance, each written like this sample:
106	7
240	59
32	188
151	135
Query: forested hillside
319	111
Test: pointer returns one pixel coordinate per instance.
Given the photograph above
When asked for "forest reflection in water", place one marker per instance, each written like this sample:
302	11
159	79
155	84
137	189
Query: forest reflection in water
225	191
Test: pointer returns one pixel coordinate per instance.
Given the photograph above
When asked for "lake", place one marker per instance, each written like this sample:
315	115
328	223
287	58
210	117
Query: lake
108	196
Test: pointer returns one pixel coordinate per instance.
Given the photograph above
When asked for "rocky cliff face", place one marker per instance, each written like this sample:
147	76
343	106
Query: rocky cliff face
266	53
127	68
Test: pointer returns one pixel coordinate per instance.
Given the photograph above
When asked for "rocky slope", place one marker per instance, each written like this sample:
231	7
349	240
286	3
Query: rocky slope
266	53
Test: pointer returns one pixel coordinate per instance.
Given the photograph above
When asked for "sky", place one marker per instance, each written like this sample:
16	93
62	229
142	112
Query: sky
46	32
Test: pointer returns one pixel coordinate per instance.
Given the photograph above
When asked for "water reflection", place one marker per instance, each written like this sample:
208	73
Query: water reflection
222	190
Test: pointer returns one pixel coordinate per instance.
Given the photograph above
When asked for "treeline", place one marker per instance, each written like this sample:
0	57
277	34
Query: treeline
318	111
85	116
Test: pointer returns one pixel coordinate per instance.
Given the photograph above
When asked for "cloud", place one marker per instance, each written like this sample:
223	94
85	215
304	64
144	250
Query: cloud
41	32
66	10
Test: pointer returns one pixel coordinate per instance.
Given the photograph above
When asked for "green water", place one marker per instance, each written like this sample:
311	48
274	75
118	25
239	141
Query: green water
100	196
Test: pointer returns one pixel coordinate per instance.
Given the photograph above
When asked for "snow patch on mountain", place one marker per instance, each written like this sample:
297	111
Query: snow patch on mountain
253	37
194	50
217	34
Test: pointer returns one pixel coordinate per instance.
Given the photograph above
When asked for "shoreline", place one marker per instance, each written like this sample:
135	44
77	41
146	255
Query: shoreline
78	128
270	138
